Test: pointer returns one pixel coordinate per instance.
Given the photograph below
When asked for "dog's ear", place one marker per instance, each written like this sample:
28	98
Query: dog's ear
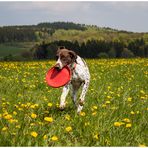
60	48
73	55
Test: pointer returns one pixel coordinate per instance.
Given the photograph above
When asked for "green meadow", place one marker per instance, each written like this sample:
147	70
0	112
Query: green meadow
114	114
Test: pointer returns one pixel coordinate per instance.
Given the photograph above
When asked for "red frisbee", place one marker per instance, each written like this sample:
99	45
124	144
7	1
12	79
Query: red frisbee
57	78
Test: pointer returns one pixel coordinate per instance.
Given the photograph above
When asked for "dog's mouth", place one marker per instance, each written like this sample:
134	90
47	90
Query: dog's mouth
58	68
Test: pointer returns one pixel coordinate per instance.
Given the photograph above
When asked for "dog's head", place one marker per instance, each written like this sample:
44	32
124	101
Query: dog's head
65	57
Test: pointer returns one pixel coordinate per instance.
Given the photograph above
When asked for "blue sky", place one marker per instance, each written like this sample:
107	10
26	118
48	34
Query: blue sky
130	16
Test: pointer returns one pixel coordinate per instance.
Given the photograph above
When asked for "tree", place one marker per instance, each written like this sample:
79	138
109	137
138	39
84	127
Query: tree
126	53
103	55
112	53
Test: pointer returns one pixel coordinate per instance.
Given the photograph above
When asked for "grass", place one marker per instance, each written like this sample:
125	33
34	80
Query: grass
115	112
14	48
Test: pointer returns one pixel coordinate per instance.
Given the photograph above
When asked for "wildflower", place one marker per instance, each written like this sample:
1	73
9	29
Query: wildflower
34	134
128	125
18	126
109	87
86	123
49	104
141	91
45	137
126	120
68	129
138	112
94	113
129	99
33	115
96	136
33	106
13	121
132	112
142	145
8	117
109	97
104	105
32	124
4	128
67	117
14	113
95	107
54	138
48	119
117	124
36	105
82	114
107	102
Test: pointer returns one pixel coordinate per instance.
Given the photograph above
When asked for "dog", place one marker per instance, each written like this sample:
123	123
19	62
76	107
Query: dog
80	76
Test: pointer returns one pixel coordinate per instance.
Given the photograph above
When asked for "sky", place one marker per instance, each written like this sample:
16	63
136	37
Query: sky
130	16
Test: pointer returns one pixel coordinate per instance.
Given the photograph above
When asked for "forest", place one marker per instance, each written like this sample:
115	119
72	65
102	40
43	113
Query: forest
89	41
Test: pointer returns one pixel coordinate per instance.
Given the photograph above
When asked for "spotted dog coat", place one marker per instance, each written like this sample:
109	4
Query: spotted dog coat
80	77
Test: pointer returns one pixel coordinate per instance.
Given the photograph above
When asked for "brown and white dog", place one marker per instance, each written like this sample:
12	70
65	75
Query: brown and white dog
80	76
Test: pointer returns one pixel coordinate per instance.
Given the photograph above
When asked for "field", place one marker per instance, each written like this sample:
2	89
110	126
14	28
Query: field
115	111
14	49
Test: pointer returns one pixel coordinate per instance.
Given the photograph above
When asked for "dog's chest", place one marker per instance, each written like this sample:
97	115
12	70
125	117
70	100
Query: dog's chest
80	73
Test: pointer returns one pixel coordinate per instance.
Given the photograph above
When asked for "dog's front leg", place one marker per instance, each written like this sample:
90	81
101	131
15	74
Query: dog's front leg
63	96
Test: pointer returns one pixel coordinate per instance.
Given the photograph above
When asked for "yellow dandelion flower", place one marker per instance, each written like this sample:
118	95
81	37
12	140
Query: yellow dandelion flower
95	107
49	104
13	121
34	134
33	106
32	124
33	115
48	119
45	137
0	115
86	123
137	112
54	138
4	128
18	126
107	102
82	114
126	120
8	117
128	125
141	91
14	113
68	129
109	97
129	99
117	124
94	113
96	136
104	105
142	145
67	117
132	112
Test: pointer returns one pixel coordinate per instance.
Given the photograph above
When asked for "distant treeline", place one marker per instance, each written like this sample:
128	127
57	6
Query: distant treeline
94	49
62	25
28	33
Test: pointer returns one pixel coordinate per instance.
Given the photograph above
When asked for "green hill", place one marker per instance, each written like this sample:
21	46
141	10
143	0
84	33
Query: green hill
16	39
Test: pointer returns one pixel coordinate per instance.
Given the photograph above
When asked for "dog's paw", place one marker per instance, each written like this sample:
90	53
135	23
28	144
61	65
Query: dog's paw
62	107
81	102
79	109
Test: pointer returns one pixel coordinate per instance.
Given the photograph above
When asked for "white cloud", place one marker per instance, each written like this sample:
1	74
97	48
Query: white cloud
50	6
